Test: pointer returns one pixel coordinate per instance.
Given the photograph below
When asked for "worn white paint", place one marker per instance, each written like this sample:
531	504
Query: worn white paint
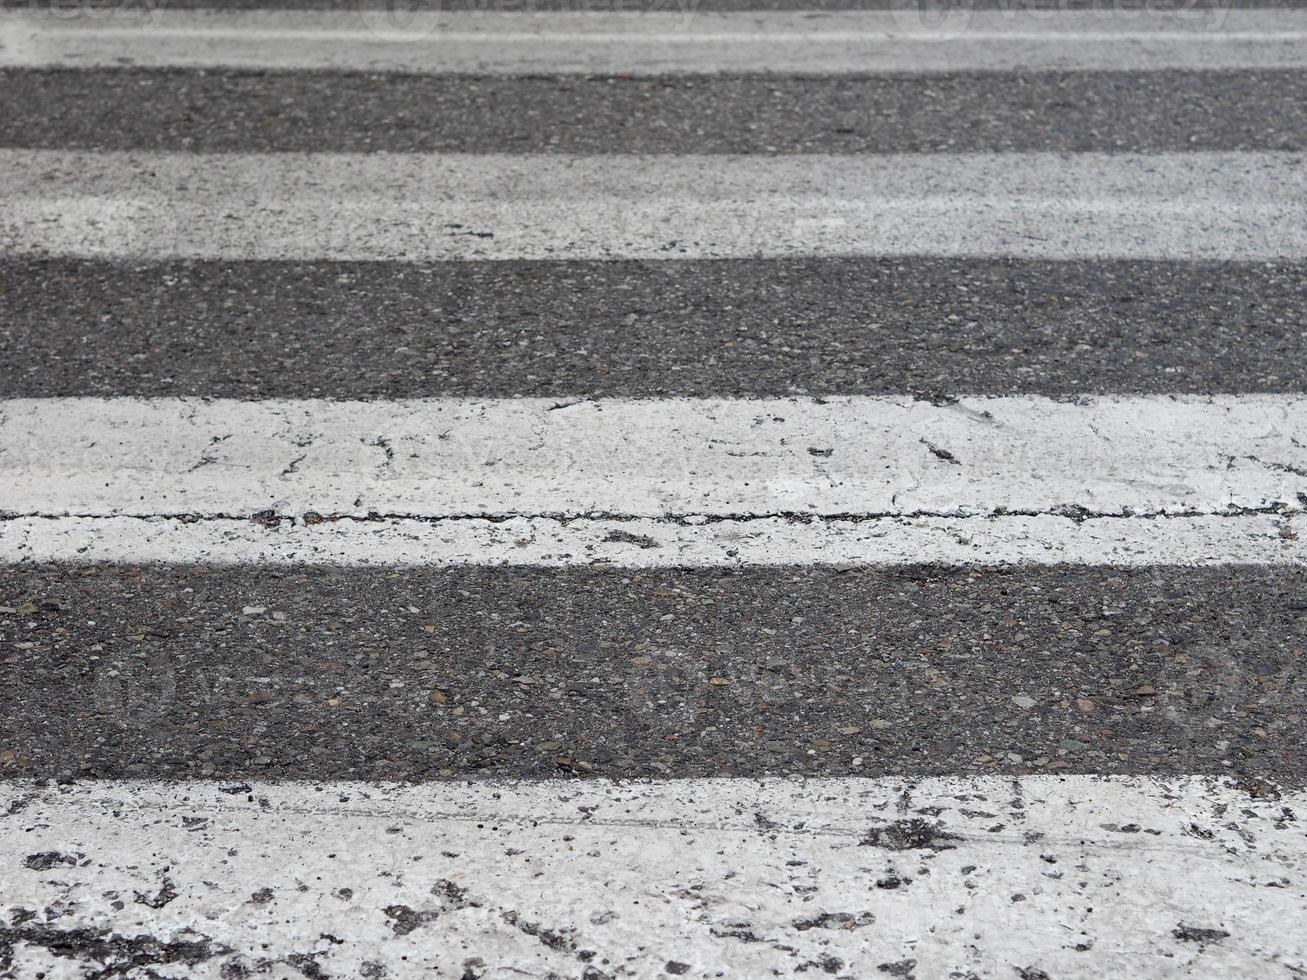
862	456
1078	876
1260	539
663	42
462	206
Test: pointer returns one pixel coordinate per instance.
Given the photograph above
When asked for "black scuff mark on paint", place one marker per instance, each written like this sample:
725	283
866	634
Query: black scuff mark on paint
1197	934
111	955
617	535
943	454
913	834
166	893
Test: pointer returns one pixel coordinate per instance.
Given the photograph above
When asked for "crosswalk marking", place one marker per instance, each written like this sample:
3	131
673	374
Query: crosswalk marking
1125	456
1040	564
695	482
1167	877
467	206
792	43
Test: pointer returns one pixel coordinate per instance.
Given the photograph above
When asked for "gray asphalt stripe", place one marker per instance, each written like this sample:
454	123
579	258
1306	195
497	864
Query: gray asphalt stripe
526	43
573	329
317	673
219	111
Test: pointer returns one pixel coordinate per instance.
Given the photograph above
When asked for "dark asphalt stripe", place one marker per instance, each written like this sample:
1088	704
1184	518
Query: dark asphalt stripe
225	111
423	674
724	328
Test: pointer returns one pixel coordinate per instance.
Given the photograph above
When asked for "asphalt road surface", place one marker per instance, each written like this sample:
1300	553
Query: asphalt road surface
722	489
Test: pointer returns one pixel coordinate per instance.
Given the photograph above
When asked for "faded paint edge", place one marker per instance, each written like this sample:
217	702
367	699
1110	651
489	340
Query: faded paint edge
1256	539
779	42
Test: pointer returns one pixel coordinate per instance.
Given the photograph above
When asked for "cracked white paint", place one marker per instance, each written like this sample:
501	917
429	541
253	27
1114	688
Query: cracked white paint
675	39
1259	539
426	207
886	456
1076	876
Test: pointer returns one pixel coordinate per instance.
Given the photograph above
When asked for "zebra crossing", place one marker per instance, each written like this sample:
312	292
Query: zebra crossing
713	492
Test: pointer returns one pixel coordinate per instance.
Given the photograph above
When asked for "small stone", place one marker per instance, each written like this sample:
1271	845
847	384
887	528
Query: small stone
27	608
1145	690
254	610
641	661
1015	757
1084	705
718	681
881	723
438	697
258	697
279	617
1024	701
1071	745
429	628
849	730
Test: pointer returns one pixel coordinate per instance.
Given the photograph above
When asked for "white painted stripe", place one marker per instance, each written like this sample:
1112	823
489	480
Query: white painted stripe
855	480
1259	539
776	42
456	206
962	876
650	458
